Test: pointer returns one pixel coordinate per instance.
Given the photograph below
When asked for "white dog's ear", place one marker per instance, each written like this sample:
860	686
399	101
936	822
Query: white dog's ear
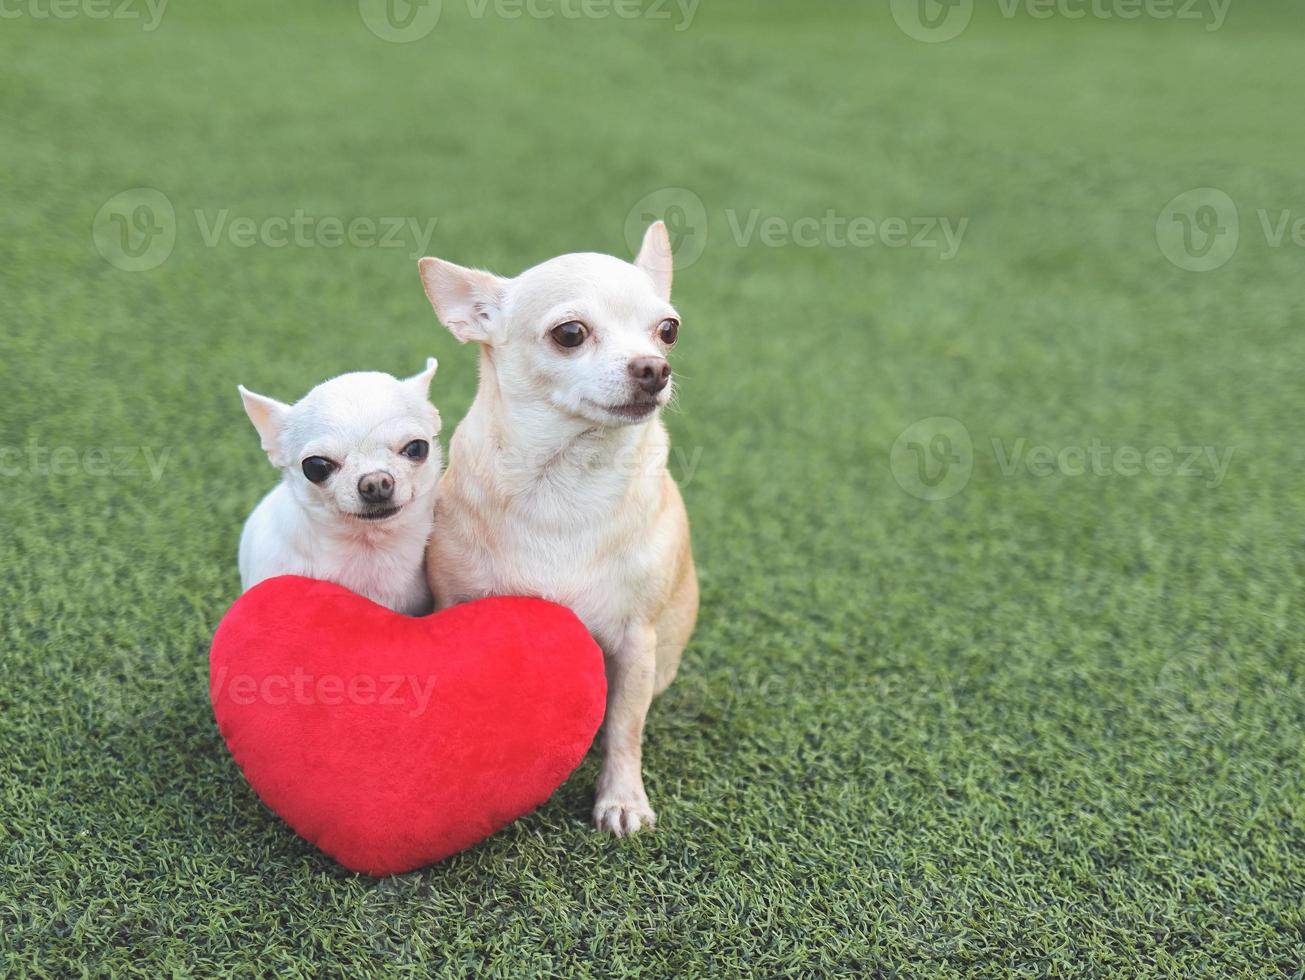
655	258
467	301
420	382
268	415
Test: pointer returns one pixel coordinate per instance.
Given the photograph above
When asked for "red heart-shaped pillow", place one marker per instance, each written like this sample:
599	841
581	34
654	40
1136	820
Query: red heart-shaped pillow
391	742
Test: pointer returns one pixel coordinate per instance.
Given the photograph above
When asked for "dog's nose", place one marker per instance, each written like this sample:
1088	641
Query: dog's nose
376	488
650	373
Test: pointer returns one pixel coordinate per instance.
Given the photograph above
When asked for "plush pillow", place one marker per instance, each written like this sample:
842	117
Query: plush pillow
391	742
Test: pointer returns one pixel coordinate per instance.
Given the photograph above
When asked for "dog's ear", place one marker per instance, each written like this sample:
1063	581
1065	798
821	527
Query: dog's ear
268	415
655	258
467	301
419	385
420	382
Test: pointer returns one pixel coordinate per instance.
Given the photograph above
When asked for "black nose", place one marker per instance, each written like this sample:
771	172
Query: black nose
376	488
650	373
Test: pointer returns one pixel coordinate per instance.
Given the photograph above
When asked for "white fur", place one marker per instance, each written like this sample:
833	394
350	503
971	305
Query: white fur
360	421
556	488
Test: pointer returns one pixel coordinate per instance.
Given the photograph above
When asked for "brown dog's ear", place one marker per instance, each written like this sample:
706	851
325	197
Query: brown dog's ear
467	301
655	258
268	415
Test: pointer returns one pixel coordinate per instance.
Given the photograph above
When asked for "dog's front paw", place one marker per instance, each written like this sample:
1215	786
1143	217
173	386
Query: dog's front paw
623	816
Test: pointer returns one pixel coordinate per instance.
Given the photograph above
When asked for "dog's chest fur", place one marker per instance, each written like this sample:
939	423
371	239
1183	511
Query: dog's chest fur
578	528
387	569
384	563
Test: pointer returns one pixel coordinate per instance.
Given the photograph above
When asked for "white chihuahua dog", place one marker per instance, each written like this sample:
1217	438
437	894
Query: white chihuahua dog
359	466
557	484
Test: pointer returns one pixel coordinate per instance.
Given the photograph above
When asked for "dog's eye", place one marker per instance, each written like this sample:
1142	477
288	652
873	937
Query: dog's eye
570	334
418	449
317	468
668	330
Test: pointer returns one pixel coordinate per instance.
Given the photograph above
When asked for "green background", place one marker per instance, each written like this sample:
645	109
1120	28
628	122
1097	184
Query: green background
1046	725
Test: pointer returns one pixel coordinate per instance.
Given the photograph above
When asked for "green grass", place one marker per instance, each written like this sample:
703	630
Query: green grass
1045	726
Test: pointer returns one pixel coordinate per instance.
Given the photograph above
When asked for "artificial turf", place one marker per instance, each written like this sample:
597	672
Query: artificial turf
1050	724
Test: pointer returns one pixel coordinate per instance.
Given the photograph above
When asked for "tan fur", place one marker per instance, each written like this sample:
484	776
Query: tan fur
546	493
